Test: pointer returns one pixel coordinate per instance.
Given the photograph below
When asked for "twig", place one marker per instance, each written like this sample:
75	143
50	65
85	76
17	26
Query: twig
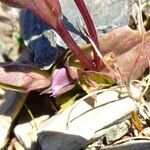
131	138
31	115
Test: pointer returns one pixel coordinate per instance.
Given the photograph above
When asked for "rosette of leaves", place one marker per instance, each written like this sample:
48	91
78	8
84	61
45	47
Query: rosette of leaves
114	57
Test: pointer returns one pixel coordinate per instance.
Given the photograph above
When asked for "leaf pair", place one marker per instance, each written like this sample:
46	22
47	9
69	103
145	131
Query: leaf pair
126	44
25	78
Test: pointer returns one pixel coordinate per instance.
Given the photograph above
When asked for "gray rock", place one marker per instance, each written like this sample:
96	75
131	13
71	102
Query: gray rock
58	140
133	145
116	132
106	14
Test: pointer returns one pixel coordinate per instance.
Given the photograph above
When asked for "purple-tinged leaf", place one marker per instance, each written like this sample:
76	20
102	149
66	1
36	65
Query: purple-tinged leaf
16	3
23	78
126	61
48	10
127	44
120	40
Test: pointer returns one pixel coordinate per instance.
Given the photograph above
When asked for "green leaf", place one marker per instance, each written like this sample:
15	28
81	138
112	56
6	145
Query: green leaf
17	38
91	80
67	99
68	102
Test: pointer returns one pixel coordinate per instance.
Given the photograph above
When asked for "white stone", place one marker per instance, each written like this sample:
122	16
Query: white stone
84	121
27	133
5	123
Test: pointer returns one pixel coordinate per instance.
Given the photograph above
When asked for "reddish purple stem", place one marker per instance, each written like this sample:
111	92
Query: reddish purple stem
91	29
67	38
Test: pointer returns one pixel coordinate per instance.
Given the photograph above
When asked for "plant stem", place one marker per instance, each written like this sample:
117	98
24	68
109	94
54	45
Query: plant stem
67	38
91	29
